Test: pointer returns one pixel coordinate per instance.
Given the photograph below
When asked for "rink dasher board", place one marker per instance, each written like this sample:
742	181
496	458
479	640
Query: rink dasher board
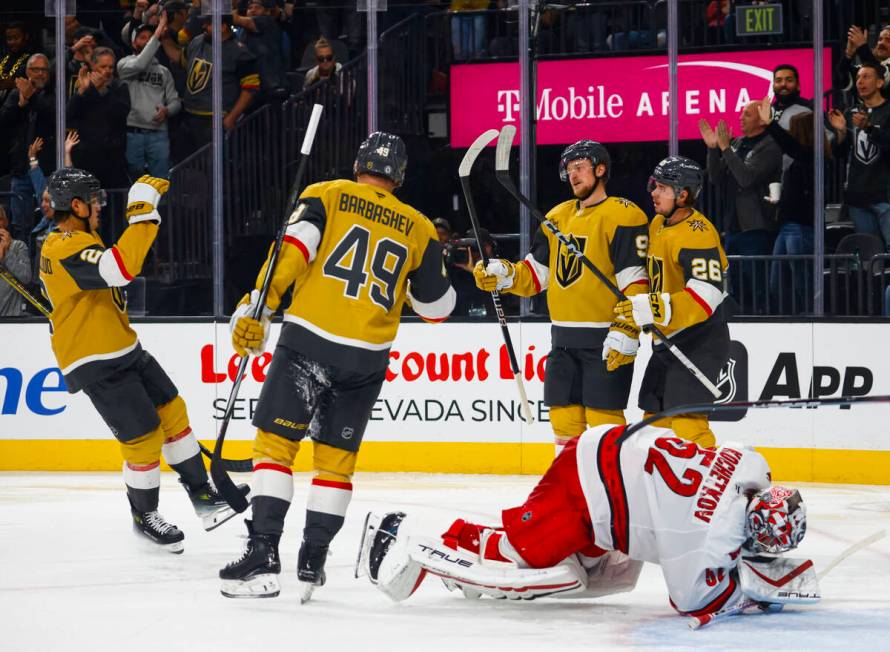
450	405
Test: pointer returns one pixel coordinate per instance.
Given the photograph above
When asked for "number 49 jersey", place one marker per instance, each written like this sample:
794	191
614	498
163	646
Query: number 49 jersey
355	255
664	500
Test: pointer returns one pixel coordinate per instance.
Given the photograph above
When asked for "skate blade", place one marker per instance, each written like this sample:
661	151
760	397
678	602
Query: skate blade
213	520
306	591
148	543
261	586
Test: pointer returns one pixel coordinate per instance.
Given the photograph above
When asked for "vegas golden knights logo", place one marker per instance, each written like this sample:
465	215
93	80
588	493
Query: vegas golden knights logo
199	75
568	266
656	273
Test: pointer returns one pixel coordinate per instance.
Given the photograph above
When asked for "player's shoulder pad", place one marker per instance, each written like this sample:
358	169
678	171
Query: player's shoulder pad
62	244
321	188
698	229
562	209
625	212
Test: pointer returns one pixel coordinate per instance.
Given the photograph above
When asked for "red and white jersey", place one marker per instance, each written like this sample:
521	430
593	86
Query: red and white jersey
664	500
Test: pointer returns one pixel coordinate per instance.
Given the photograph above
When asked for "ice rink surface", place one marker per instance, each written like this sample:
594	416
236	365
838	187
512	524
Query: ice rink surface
74	577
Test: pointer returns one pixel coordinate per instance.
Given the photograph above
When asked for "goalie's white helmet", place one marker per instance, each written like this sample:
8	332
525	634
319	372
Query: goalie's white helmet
776	521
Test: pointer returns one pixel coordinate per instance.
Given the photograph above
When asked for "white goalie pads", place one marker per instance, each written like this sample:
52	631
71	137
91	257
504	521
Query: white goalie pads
609	574
783	580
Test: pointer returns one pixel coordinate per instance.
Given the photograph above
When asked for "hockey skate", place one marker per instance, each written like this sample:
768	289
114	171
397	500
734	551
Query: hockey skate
255	573
154	528
310	569
212	508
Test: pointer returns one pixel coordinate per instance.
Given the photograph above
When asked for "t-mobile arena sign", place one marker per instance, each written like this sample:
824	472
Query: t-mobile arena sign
620	99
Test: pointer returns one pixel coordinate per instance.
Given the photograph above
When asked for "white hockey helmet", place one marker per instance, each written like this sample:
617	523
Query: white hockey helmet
776	521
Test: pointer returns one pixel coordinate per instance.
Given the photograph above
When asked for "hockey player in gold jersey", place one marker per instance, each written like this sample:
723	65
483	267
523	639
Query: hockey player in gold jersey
354	255
590	367
100	354
687	270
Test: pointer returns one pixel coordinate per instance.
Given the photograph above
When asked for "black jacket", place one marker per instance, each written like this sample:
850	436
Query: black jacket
36	118
101	118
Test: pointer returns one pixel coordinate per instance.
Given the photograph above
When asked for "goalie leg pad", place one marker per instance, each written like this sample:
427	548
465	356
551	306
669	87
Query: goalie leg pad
783	580
609	574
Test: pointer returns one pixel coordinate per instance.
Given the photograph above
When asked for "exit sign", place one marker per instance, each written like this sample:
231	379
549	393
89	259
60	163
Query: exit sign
755	20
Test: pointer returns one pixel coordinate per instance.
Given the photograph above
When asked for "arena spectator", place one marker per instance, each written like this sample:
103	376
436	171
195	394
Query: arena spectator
153	99
14	256
342	24
468	31
15	59
78	57
787	101
443	229
326	67
98	110
856	53
461	256
262	36
28	112
863	131
721	21
743	168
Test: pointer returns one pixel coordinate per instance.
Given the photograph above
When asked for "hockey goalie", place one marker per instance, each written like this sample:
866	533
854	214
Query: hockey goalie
608	503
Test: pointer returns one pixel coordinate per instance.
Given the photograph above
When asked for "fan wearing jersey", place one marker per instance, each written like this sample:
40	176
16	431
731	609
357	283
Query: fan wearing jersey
590	366
608	503
354	255
687	271
100	354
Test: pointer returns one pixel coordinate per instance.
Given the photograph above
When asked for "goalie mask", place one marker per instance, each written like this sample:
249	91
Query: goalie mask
776	521
384	155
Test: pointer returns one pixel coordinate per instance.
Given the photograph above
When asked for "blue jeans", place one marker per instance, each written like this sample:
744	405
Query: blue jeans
467	36
148	152
748	279
791	279
874	219
21	206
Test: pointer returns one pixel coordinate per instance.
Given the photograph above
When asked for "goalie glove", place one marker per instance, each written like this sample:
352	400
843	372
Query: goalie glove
248	334
143	199
498	275
621	344
779	580
645	309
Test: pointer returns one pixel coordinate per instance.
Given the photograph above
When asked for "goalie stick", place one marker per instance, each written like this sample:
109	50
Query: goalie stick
698	622
235	466
466	165
224	484
502	171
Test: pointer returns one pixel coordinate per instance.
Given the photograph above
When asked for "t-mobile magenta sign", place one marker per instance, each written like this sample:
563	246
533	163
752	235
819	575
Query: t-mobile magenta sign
622	99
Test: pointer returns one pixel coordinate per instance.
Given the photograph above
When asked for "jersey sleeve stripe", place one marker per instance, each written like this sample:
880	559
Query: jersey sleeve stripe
608	461
112	270
120	263
308	235
631	276
299	245
705	294
531	267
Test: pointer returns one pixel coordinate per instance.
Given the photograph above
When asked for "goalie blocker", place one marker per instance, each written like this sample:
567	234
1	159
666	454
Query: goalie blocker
604	507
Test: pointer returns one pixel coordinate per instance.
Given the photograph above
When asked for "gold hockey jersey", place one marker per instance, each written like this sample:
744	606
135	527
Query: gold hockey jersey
687	261
613	235
355	254
82	279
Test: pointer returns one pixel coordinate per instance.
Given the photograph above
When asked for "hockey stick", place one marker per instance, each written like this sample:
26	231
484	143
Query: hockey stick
227	489
19	287
840	401
466	165
238	466
698	622
502	171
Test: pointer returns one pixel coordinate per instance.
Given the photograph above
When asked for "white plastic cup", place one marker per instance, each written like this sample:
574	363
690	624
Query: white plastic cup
775	192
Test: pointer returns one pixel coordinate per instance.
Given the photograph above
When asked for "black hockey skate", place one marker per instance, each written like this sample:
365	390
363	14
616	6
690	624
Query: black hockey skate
153	527
209	505
310	568
255	573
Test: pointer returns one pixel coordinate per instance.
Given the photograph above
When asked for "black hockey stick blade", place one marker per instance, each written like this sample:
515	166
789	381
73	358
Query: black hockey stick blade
224	484
232	466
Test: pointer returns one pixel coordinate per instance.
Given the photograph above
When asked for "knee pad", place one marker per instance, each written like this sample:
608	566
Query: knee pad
271	447
664	422
174	417
333	463
567	422
143	450
597	417
694	428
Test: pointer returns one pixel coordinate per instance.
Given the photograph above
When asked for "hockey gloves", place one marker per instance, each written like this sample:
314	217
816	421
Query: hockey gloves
143	199
249	335
497	276
645	309
621	344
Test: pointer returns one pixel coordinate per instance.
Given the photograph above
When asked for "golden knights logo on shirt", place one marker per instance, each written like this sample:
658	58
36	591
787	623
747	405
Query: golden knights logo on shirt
568	265
199	75
656	273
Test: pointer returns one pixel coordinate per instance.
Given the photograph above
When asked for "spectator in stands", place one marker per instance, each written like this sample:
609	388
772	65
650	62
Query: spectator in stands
28	112
721	21
743	169
98	110
468	32
153	99
857	51
342	23
461	256
240	82
78	57
443	229
262	36
15	59
327	65
795	206
14	256
787	101
864	131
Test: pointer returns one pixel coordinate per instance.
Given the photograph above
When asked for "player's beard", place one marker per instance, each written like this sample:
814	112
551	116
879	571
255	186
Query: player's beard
586	194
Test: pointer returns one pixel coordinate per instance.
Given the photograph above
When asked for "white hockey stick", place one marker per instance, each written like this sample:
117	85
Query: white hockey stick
466	165
697	622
